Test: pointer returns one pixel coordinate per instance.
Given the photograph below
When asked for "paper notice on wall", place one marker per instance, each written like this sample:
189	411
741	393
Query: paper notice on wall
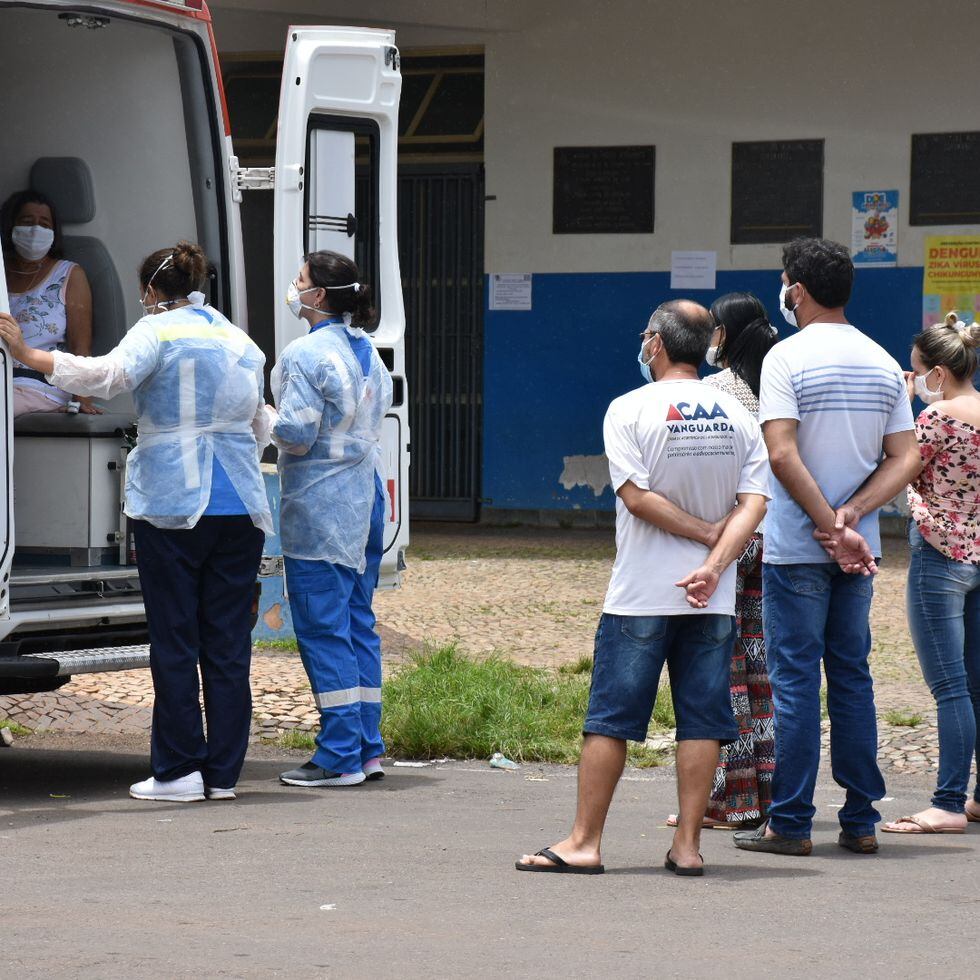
951	278
510	290
693	270
874	228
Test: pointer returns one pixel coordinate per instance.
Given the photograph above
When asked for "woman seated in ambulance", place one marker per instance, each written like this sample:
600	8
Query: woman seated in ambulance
49	297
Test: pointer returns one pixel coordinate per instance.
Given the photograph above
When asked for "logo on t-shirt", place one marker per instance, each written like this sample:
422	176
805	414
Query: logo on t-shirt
687	415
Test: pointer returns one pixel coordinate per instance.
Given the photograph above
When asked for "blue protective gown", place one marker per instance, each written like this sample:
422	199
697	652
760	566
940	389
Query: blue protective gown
333	392
198	386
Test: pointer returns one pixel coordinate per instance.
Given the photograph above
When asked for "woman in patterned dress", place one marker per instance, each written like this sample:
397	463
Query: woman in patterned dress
742	789
49	297
943	588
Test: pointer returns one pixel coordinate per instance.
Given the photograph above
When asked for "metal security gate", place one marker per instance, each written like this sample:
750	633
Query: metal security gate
440	231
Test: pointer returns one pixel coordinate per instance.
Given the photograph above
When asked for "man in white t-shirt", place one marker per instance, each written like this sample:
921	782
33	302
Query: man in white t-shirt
689	468
839	429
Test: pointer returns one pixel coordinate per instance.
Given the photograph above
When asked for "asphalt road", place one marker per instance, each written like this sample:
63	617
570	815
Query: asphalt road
414	877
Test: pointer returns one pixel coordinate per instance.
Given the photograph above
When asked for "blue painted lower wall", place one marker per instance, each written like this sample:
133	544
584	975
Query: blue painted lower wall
550	373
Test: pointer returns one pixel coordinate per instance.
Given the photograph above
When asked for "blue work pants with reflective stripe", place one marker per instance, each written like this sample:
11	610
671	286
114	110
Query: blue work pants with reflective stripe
341	650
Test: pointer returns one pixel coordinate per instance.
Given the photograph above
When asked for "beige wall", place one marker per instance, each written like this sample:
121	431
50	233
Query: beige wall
689	77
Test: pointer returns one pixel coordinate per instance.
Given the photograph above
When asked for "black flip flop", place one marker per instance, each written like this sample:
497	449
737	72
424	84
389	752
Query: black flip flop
671	865
560	865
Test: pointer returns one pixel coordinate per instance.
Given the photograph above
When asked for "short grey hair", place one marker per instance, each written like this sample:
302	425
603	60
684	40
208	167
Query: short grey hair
685	328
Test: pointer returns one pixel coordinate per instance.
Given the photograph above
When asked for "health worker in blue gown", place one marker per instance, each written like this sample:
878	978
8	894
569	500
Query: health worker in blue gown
332	392
195	493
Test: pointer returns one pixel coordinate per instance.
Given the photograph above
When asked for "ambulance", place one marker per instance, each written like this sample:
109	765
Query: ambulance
115	111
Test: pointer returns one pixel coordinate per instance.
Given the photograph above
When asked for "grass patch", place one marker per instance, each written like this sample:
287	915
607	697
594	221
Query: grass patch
444	704
581	666
295	739
903	718
289	645
15	728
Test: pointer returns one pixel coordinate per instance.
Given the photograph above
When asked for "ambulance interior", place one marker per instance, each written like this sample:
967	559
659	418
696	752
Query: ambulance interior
114	121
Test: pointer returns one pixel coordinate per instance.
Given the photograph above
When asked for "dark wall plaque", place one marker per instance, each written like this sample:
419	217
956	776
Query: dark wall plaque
945	181
602	189
777	191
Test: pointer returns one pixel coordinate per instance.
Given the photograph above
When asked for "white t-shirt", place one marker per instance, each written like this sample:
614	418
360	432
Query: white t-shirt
698	447
847	394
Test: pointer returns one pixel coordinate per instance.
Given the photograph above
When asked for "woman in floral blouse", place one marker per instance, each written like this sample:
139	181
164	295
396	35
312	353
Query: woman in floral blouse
944	574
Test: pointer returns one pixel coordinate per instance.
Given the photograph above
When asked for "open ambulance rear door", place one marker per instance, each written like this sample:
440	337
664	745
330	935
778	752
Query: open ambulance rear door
335	188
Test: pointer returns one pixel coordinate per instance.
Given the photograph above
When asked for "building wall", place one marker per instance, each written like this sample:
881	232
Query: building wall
689	78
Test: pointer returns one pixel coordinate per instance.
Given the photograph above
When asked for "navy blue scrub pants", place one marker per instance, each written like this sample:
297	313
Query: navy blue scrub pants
198	586
341	651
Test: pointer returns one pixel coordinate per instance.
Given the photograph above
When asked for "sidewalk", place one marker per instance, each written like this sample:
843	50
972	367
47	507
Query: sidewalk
413	877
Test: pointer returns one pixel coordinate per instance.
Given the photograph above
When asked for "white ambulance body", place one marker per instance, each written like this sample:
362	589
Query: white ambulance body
115	111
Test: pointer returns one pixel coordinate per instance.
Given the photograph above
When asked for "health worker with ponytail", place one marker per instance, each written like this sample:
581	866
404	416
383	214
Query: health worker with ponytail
195	492
332	393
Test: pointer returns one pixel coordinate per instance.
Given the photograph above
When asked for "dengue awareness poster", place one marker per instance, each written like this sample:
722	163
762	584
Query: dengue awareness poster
951	278
874	228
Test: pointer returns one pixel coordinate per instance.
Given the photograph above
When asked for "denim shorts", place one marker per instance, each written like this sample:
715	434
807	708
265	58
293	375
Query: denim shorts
630	653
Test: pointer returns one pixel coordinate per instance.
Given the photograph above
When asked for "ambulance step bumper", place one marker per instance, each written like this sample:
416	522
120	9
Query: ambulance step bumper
67	662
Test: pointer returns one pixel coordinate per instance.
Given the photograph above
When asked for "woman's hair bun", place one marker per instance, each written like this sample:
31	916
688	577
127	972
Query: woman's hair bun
970	335
176	270
190	259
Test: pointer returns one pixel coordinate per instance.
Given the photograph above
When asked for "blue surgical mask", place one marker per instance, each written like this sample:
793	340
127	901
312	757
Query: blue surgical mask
644	365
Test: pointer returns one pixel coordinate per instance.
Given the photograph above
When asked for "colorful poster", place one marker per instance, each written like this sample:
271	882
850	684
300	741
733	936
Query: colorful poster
874	228
951	278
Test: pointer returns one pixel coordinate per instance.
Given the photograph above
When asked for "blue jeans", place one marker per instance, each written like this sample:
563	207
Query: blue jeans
630	653
944	616
814	613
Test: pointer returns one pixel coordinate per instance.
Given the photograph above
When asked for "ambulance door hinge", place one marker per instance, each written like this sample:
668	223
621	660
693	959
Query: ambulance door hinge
250	179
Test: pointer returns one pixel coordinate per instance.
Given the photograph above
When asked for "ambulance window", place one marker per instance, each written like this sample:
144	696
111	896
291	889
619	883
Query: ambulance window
342	193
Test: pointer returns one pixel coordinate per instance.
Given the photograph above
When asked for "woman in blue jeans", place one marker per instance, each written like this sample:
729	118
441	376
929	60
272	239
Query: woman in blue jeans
944	574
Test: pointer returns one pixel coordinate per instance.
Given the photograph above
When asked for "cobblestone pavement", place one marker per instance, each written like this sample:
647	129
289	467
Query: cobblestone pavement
531	594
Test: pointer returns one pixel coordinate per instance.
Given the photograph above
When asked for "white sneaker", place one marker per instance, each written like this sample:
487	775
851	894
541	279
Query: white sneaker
214	793
187	789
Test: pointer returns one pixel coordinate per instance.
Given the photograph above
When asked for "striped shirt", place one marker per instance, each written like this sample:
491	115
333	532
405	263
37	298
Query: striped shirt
847	394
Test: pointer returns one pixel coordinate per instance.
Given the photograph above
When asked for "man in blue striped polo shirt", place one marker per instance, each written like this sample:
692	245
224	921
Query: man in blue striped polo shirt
838	426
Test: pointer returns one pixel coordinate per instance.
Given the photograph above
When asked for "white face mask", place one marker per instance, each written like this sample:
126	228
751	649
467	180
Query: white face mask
711	358
32	242
295	304
789	313
923	392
